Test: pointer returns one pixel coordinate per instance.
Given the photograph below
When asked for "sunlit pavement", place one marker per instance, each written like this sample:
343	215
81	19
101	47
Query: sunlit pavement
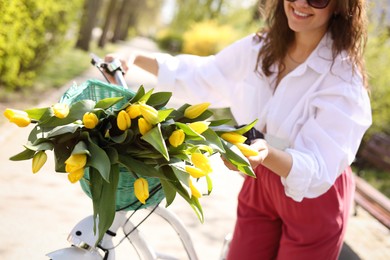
38	211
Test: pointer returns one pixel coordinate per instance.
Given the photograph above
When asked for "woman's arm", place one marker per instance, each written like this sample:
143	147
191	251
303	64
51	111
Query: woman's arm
148	64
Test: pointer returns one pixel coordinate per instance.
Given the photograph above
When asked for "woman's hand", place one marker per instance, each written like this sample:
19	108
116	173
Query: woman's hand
261	146
108	59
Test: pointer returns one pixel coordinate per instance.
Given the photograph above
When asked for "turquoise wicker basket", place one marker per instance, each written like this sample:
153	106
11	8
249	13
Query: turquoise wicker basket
125	198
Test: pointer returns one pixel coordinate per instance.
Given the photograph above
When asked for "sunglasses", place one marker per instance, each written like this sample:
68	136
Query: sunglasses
318	4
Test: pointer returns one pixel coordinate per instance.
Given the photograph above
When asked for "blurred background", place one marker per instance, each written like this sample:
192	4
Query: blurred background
45	44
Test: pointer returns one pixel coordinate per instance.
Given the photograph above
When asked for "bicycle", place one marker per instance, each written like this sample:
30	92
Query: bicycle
82	237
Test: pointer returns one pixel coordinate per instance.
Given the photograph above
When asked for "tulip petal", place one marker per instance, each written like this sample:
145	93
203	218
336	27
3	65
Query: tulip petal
177	138
38	161
141	189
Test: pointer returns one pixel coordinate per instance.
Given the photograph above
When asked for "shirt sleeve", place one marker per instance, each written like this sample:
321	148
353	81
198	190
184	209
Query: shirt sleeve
209	78
328	141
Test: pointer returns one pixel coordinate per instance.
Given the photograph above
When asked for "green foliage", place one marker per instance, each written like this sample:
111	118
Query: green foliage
31	31
170	40
207	37
377	178
378	64
237	19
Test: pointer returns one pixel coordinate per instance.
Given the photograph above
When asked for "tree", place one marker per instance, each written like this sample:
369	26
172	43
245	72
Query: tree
122	21
110	14
189	11
31	32
87	23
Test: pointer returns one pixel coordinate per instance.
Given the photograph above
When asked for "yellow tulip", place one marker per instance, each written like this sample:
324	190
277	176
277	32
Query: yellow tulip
246	150
196	110
141	189
195	172
194	191
60	110
177	137
233	138
144	126
76	175
133	111
90	120
149	113
201	161
18	117
199	127
123	120
38	161
75	162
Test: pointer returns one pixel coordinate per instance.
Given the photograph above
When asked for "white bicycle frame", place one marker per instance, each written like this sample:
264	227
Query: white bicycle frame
82	239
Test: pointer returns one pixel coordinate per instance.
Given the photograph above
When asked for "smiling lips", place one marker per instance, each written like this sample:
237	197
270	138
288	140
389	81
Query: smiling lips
300	14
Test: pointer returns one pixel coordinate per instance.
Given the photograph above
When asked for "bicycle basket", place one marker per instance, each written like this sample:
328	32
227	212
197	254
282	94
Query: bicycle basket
125	198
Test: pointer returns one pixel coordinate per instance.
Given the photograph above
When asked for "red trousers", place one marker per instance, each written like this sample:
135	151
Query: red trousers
271	225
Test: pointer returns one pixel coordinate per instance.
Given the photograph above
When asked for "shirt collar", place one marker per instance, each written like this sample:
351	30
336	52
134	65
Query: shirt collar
321	59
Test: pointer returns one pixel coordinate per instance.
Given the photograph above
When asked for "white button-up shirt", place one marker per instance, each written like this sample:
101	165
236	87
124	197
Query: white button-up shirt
321	109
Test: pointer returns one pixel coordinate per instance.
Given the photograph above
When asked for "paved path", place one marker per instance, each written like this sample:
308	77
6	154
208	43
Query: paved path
38	211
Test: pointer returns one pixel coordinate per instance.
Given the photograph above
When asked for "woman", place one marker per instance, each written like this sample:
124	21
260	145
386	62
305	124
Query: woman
303	77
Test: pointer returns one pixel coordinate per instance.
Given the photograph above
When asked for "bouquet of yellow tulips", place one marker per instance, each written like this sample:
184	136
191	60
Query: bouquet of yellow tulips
129	146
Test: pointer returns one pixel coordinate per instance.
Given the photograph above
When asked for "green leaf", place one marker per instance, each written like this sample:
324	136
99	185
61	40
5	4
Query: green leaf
81	148
138	167
144	154
244	129
159	99
37	113
65	129
188	131
234	155
98	158
170	193
112	154
209	184
140	93
108	102
104	199
247	170
119	138
214	140
180	173
163	114
175	183
33	136
62	150
219	122
197	207
155	138
146	97
25	155
41	144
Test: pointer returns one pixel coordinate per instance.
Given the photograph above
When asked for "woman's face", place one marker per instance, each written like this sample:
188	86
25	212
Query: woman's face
302	18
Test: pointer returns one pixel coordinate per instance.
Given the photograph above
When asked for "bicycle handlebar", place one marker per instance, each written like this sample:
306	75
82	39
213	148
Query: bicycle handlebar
113	68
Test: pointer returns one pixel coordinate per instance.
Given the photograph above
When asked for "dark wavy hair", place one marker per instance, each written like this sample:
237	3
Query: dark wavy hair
348	29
